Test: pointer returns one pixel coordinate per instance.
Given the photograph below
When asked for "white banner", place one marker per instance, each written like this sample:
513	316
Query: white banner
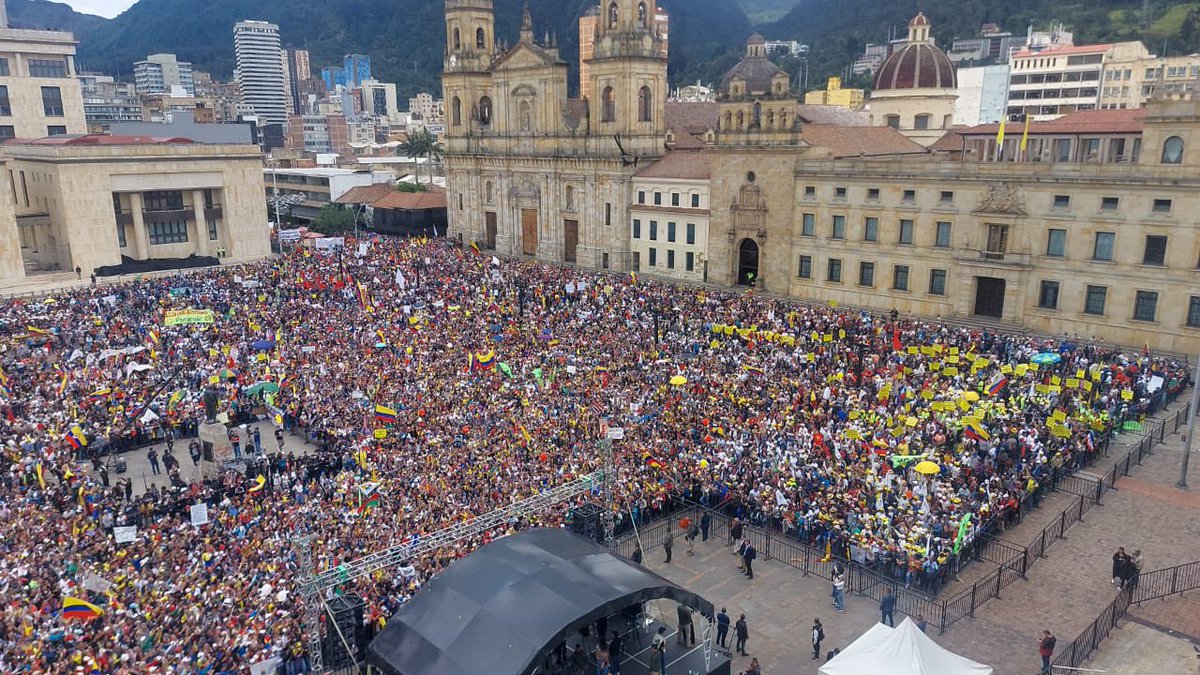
199	514
124	535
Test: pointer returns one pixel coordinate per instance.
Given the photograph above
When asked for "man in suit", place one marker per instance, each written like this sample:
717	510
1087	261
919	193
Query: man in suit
887	609
748	557
742	632
705	523
722	628
668	542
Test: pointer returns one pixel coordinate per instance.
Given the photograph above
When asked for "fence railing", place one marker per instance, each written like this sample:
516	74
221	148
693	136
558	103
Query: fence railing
1150	586
1012	561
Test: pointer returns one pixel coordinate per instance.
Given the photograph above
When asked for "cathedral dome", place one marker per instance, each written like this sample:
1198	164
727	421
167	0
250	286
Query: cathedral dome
755	69
917	65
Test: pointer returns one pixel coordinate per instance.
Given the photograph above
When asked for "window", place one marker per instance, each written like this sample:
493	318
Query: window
1161	206
212	229
457	40
5	107
52	103
839	227
480	39
4	67
653	257
1104	246
937	282
1062	201
1056	243
946	197
670	258
456	111
1145	306
1193	315
8	131
641	15
47	68
671	232
1156	250
810	191
892	121
612	18
873	194
695	201
839	193
921	122
645	105
641	196
943	235
168	233
570	201
900	277
525	116
871	229
690	261
653	231
608	105
1094	300
808	225
691	233
1172	150
834	271
674	199
637	228
608	213
55	130
1109	203
805	267
1048	295
657	198
485	111
910	196
866	274
906	231
163	200
460	201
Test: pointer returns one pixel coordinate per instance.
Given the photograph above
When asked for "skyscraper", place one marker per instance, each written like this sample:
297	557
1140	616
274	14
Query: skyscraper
358	68
159	73
299	69
260	69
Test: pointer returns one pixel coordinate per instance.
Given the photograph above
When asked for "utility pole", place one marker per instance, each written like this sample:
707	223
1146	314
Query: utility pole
1191	431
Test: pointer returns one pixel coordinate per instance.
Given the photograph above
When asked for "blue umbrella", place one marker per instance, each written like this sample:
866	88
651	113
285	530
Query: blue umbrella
1046	358
263	345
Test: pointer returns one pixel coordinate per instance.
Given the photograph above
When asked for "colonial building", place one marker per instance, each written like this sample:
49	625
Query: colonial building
670	216
533	171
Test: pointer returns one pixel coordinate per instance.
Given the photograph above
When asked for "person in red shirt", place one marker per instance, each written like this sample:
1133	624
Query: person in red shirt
1046	650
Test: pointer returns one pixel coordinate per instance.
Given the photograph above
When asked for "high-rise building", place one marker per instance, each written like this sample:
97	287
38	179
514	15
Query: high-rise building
587	43
260	70
160	73
379	100
299	69
39	93
333	77
1051	82
358	69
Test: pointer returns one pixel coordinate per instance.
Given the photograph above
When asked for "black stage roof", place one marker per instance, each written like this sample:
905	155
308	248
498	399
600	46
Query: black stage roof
503	608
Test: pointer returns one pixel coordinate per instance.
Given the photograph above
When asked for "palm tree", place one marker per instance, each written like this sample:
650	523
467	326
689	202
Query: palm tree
422	144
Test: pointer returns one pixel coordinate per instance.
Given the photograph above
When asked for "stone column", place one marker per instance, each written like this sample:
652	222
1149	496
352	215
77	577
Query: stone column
201	222
141	237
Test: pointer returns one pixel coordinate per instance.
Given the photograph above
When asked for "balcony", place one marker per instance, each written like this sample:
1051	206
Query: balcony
168	216
1003	259
213	212
124	217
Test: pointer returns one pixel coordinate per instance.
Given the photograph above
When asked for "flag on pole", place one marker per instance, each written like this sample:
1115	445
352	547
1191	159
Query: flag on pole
1025	135
75	438
75	609
259	483
997	384
1000	134
386	414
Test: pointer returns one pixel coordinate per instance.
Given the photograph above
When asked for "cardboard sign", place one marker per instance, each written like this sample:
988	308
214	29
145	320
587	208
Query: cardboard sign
199	514
126	534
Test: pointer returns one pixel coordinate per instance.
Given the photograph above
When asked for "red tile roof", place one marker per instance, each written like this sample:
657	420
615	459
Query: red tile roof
692	117
1126	121
860	141
412	201
687	164
365	194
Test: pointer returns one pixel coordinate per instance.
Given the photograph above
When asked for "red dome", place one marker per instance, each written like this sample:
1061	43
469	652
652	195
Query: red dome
916	66
919	20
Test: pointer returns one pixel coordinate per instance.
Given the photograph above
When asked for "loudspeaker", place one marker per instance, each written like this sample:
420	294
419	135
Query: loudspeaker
346	613
587	520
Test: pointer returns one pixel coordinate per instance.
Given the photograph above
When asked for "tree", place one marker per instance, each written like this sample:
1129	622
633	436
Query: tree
334	220
411	187
422	144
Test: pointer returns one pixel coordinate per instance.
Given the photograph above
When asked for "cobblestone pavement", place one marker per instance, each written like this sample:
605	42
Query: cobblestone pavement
1134	649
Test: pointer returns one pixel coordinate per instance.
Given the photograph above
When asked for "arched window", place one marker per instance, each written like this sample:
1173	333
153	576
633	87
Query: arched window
642	15
456	111
608	105
525	115
728	121
485	110
741	120
756	118
480	39
488	194
457	41
570	198
612	15
921	121
1172	150
645	105
783	120
770	119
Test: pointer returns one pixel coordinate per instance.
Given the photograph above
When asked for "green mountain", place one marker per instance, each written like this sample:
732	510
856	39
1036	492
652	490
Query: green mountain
766	11
45	15
404	38
837	31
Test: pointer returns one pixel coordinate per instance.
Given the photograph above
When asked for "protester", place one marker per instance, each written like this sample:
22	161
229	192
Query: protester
432	403
1046	650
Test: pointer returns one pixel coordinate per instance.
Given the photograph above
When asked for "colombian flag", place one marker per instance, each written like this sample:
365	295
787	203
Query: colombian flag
75	438
976	432
485	361
997	384
259	483
385	414
652	462
75	609
753	370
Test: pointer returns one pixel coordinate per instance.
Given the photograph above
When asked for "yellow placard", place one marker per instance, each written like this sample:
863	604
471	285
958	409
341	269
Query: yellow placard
964	404
1006	369
1079	374
1055	380
1021	369
1060	432
950	372
1034	367
954	350
855	414
828	337
841	333
1059	416
953	358
380	434
1126	394
912	350
1087	385
187	317
1055	389
927	394
1041	388
213	380
1072	383
910	422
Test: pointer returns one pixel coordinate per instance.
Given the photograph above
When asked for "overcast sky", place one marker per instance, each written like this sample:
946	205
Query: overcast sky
108	8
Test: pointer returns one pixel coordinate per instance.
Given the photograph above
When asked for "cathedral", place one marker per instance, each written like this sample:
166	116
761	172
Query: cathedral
532	171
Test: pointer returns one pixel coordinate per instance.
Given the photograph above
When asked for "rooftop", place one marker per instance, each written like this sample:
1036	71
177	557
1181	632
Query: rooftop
1061	50
100	139
1126	121
366	194
412	201
317	172
860	141
685	164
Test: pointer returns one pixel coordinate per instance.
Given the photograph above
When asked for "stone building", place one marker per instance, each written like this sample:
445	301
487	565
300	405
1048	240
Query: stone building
915	89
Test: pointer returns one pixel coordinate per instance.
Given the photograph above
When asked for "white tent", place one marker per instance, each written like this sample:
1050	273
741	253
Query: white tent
904	650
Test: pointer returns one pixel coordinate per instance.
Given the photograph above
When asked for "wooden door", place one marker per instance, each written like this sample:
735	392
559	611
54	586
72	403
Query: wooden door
529	231
570	239
489	234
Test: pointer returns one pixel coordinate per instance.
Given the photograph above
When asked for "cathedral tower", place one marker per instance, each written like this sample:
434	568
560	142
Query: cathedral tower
628	75
470	50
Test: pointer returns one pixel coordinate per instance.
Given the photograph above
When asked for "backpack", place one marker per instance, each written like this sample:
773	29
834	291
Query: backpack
821	634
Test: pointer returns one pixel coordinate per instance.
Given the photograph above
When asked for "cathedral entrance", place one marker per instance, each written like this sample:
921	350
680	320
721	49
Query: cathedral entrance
989	297
747	263
489	230
570	239
529	231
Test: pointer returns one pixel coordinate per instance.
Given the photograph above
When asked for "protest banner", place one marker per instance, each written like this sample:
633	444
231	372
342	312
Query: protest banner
188	317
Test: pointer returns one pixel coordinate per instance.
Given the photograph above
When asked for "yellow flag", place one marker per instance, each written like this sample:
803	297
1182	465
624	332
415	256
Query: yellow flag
1025	135
1000	133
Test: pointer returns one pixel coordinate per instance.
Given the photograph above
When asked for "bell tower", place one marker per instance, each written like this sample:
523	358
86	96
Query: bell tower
628	73
470	51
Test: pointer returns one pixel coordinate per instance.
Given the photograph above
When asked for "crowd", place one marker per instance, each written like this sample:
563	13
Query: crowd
440	384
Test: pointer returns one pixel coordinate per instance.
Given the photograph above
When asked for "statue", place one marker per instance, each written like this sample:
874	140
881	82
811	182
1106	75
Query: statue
211	399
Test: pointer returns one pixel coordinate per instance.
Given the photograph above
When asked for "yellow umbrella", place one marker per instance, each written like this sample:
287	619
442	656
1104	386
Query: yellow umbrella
679	380
971	396
927	468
